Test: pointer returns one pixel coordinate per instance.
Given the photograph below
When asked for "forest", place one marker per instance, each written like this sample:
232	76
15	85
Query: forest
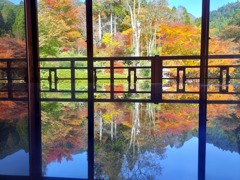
123	131
122	28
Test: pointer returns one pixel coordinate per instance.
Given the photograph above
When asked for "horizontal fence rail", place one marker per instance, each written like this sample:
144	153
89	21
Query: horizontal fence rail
126	79
13	79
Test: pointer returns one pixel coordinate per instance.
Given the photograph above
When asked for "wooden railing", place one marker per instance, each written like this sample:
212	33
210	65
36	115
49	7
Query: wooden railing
126	79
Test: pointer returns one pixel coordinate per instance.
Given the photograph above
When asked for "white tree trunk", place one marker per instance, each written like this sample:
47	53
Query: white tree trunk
135	130
99	28
112	130
100	125
134	10
115	25
111	23
115	127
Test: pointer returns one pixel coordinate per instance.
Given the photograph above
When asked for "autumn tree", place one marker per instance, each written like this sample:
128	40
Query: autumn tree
155	13
98	8
179	39
58	26
134	9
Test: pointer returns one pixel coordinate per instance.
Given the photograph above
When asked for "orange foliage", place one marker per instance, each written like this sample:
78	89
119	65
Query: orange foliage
10	110
119	87
66	136
116	87
220	47
175	119
216	110
64	10
12	48
116	64
179	39
238	112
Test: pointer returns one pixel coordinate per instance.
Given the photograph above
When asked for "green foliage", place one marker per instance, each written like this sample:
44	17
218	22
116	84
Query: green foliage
186	16
5	6
13	19
22	130
53	109
10	21
19	23
223	16
236	18
2	25
232	31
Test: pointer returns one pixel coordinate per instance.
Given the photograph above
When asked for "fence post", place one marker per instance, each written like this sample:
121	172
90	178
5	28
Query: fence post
156	94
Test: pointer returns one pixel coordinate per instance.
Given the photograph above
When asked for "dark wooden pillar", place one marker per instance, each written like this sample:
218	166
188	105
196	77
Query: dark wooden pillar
90	90
203	90
34	91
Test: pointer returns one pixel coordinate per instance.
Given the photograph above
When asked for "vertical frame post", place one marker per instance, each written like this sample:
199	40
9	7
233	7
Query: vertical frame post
73	88
90	90
9	80
112	79
34	89
203	90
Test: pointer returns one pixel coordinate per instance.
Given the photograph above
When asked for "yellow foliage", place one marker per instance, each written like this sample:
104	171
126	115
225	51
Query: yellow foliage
107	118
127	32
107	38
126	123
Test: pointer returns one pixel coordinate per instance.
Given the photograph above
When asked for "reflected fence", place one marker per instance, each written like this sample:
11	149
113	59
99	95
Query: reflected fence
126	79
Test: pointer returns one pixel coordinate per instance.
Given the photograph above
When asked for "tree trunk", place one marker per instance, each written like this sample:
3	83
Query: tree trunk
99	28
111	23
115	25
135	130
112	130
100	125
134	10
115	126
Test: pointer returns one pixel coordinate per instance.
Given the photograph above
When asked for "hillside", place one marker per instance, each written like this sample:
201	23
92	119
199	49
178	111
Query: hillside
223	16
12	20
5	5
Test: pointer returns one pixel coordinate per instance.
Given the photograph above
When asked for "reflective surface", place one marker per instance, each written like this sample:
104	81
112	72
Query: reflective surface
14	138
137	140
223	142
132	141
64	139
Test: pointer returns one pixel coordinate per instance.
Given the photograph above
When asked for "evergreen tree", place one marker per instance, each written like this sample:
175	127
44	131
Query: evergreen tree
186	16
10	21
236	18
19	24
1	25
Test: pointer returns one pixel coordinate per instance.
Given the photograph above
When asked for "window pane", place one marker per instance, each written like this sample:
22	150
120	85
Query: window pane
14	147
147	141
62	28
64	139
